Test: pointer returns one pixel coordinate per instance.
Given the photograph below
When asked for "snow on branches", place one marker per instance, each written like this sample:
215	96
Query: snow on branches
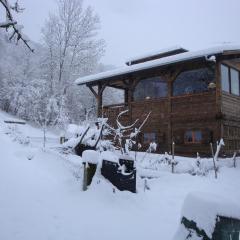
126	135
10	22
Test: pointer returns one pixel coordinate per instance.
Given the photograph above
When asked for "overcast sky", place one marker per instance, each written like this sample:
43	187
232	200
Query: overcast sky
133	27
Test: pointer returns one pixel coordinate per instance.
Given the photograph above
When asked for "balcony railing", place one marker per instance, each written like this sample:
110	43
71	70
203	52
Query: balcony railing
113	110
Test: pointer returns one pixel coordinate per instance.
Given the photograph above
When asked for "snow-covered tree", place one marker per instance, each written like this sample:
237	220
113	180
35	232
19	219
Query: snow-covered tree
72	49
46	114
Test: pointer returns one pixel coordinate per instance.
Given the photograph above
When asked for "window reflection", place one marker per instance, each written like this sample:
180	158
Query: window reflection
149	88
224	78
193	81
193	136
149	137
230	80
234	82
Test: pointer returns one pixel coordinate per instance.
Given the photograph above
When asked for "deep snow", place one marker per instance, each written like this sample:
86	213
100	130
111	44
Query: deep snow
42	199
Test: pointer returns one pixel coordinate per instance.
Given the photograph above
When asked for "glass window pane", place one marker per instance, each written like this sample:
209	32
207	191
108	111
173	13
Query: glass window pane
198	136
193	81
149	137
188	136
193	136
224	78
234	82
148	88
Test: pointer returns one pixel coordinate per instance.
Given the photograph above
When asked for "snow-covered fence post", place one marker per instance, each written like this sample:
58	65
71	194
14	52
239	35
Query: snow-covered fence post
44	136
173	161
146	187
219	145
234	159
90	160
215	156
84	185
214	164
198	164
198	160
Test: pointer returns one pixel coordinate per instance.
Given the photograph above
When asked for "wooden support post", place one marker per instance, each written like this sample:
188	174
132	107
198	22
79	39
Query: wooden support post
169	106
99	99
173	153
84	186
98	96
93	91
129	86
130	98
126	96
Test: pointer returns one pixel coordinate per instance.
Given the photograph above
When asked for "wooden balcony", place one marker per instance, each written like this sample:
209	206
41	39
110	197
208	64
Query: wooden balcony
111	111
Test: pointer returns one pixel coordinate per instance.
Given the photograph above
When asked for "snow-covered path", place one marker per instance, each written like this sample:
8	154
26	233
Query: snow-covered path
41	199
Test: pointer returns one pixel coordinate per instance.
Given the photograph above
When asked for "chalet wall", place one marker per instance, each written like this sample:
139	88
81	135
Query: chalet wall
195	112
231	134
214	113
158	121
231	107
231	122
230	110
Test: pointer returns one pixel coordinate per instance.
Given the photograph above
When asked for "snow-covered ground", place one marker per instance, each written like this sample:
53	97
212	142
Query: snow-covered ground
42	199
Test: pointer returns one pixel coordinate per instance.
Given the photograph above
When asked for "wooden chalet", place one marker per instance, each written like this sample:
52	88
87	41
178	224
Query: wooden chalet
194	97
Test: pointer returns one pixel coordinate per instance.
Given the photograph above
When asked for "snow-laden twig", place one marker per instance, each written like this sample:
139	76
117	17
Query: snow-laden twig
121	130
10	22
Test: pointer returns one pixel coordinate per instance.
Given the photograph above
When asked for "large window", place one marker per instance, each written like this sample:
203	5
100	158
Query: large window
230	80
193	81
150	88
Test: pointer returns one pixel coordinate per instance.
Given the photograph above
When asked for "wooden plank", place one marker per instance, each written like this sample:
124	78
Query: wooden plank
15	122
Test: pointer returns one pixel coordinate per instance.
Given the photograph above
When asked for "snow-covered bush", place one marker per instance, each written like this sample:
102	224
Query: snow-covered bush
16	135
89	134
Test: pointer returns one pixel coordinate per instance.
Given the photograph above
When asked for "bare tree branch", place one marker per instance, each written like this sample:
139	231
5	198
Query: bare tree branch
10	22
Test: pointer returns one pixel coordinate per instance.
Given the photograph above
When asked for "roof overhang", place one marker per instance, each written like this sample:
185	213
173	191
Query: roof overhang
124	72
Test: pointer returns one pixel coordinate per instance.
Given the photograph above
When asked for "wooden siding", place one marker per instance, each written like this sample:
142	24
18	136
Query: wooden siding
231	122
186	112
194	112
214	113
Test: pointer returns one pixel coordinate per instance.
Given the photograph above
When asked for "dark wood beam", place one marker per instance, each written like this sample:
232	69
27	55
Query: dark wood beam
115	86
93	91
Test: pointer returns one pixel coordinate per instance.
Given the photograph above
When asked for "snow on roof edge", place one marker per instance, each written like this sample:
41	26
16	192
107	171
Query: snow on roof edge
157	63
154	53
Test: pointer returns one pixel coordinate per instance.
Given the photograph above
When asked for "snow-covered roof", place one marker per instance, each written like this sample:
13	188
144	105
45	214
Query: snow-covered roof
157	63
155	53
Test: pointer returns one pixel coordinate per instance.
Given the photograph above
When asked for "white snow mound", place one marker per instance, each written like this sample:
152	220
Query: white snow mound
204	208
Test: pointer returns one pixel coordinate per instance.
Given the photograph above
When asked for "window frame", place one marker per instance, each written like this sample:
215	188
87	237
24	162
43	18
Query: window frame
230	79
193	133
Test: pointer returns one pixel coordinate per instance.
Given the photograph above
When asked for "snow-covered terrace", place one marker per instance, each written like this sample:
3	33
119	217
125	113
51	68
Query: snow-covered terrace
182	57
